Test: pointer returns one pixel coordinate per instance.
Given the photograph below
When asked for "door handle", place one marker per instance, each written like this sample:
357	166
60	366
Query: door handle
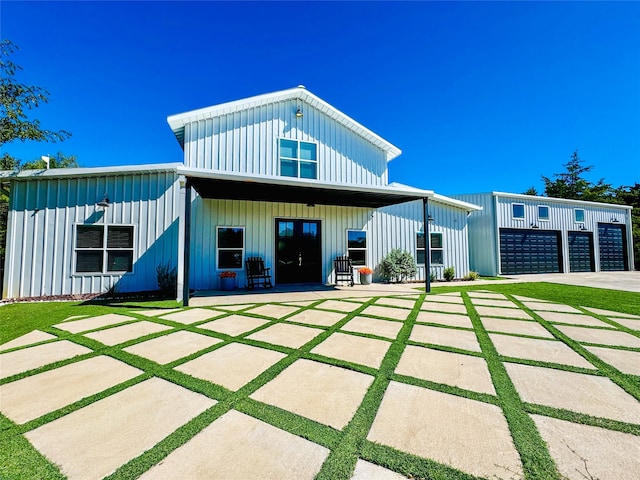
299	259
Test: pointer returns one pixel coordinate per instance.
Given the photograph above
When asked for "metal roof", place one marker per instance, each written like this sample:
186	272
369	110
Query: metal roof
293	190
178	121
540	198
45	174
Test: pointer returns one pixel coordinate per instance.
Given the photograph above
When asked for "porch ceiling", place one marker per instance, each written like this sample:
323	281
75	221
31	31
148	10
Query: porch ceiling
293	190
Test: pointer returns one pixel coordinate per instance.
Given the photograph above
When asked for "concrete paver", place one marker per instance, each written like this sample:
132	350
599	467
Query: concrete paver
350	348
124	333
18	361
529	299
464	371
293	336
32	397
449	337
156	312
368	471
444	307
76	326
237	446
611	313
502	312
583	451
28	339
551	351
324	393
629	323
445	298
397	302
338	305
600	336
589	394
234	325
232	365
493	302
450	319
521	327
94	441
171	347
481	294
317	317
466	434
273	311
373	326
572	318
387	312
624	360
192	315
551	307
304	303
235	308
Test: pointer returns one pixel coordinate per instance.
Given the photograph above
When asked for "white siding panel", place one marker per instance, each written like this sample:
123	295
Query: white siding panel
40	257
246	142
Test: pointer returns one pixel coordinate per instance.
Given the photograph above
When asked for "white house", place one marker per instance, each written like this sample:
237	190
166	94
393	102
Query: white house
284	176
515	234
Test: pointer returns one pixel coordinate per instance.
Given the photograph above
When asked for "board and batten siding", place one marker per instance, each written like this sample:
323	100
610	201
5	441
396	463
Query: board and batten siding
42	223
246	142
387	228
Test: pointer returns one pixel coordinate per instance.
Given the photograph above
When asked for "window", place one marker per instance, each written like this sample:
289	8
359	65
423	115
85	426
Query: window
298	159
579	214
420	248
230	247
104	248
357	246
543	212
517	210
437	255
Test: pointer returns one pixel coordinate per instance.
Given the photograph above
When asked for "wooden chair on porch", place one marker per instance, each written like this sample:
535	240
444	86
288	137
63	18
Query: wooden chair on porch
257	274
343	269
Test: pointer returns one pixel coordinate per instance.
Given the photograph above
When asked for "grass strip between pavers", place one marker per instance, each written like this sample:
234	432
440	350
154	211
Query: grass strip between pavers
536	459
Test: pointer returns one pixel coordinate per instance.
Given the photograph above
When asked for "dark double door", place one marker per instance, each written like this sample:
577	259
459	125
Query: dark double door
298	251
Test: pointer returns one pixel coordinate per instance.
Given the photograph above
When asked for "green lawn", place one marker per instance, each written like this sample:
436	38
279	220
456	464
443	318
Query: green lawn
18	459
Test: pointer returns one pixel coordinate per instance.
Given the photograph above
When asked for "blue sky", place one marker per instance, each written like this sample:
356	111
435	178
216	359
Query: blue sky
479	96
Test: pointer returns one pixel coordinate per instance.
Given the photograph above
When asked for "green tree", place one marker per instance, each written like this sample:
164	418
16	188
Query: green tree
531	191
571	184
59	160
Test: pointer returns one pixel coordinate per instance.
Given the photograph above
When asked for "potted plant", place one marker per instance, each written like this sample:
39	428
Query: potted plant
227	280
365	275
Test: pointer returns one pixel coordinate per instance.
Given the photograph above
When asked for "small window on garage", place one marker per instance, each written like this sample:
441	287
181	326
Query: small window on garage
543	212
437	252
230	247
579	215
420	248
517	211
357	246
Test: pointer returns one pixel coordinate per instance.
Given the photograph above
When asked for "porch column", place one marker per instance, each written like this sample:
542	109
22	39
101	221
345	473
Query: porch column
187	244
427	246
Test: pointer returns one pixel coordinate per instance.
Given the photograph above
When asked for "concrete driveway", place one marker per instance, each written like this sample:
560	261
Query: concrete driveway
336	387
626	281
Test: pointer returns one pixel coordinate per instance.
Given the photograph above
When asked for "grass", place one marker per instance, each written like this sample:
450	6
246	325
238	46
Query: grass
18	459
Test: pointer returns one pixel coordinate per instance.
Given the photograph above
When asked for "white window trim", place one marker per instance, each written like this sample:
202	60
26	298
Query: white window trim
575	210
105	250
218	248
298	160
421	248
365	250
523	212
548	219
431	249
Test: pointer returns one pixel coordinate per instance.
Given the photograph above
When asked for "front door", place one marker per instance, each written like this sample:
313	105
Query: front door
298	251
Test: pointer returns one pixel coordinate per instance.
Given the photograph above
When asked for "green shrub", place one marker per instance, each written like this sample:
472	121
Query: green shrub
432	277
471	276
398	266
167	278
449	274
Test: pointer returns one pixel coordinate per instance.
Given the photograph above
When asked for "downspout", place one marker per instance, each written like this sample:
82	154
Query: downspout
427	246
187	243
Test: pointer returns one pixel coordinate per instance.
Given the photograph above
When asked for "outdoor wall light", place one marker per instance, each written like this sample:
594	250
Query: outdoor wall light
430	219
104	203
614	220
533	225
311	205
583	228
298	113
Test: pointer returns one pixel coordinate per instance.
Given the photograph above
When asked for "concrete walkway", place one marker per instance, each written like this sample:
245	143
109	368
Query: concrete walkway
314	356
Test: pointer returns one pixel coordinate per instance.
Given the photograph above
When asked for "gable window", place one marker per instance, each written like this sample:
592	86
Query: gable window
543	212
420	248
104	248
298	159
230	247
357	246
435	247
517	211
579	215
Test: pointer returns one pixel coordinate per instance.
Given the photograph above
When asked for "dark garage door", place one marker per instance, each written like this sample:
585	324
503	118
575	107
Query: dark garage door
612	241
581	252
529	251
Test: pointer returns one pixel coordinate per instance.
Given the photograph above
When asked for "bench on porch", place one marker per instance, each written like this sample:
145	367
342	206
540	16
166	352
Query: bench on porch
257	274
343	268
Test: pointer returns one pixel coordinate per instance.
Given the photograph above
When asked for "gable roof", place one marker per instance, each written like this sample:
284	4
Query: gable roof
177	122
